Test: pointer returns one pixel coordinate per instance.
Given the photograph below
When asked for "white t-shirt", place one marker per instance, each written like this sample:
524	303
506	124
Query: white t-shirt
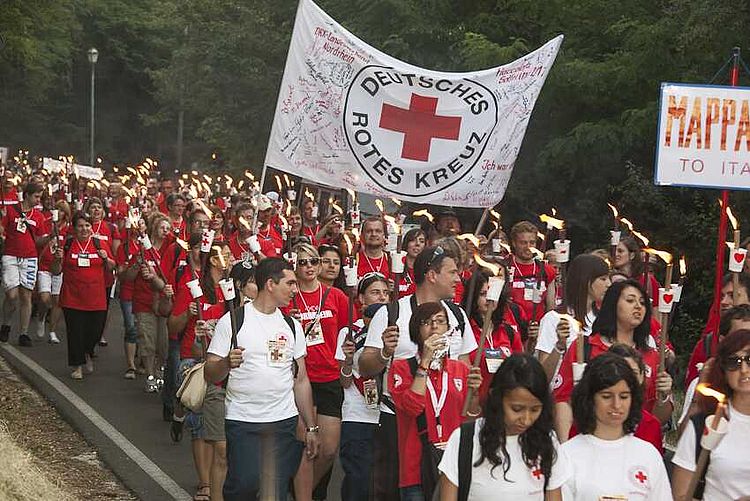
689	395
728	474
257	391
354	408
487	484
628	467
459	344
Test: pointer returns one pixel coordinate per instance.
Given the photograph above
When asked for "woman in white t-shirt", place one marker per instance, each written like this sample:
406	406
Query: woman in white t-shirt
608	461
586	283
360	412
728	473
514	453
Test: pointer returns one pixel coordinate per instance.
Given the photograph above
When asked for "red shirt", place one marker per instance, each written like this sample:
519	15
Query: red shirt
407	286
563	382
45	256
83	287
118	211
22	243
653	287
143	294
270	241
367	265
173	257
409	405
209	311
239	250
697	357
499	341
106	232
126	286
321	365
525	277
310	233
649	429
179	229
11	198
161	201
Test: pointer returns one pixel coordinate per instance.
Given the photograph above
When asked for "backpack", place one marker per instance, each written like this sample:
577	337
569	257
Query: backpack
465	455
239	315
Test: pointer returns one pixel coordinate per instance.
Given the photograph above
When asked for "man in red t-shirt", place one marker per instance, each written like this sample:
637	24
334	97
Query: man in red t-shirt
530	277
25	230
372	257
270	241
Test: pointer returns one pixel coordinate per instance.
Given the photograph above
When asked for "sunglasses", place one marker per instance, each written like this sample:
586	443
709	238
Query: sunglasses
313	261
439	251
734	363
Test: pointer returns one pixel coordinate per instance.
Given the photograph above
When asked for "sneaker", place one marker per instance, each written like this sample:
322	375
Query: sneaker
24	340
130	374
103	342
53	339
77	373
175	429
4	333
89	367
151	385
37	327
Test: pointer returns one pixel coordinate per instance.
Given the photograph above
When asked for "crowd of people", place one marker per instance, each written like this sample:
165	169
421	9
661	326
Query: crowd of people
317	338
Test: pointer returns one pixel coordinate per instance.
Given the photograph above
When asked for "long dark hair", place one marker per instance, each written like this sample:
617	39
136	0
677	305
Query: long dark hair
636	264
606	321
601	373
717	378
583	270
518	371
207	282
481	277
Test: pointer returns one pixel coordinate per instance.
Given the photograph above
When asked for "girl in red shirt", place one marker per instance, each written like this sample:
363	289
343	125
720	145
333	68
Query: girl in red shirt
49	285
413	243
428	392
625	317
505	338
83	297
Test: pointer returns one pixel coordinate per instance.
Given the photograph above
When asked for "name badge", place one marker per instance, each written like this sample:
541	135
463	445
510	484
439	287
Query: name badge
315	334
21	226
370	390
84	261
276	354
494	359
518	285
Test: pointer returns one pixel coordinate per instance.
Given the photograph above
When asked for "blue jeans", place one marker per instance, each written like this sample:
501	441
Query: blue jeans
131	333
169	390
412	493
355	453
250	449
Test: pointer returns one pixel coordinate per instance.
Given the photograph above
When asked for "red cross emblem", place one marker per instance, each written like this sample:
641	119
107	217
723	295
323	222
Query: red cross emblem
537	473
205	242
641	477
419	124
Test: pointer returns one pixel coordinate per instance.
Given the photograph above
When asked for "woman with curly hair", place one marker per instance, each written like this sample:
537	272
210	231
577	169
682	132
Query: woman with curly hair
514	451
608	461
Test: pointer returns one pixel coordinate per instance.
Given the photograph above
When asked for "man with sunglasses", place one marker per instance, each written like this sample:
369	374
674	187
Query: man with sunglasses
436	276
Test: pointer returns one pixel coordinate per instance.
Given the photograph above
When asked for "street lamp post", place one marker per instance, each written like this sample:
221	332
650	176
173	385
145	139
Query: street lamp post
93	56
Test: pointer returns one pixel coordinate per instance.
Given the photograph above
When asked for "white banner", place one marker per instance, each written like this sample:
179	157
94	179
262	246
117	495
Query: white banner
84	171
704	136
350	116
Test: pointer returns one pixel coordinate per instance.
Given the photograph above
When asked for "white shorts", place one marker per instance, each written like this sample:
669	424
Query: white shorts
20	271
47	282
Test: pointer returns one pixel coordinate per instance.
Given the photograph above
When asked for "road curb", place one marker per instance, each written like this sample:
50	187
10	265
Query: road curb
136	471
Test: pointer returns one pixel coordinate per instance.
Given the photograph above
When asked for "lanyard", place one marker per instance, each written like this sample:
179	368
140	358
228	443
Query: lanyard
83	250
515	265
98	228
438	403
320	303
369	263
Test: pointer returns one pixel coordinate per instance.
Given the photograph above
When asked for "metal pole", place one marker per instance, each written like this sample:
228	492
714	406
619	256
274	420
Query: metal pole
91	137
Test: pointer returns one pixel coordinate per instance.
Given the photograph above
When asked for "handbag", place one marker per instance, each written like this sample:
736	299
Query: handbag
162	305
192	391
431	456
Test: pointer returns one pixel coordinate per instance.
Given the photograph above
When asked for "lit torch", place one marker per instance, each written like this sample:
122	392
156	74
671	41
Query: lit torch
711	438
665	305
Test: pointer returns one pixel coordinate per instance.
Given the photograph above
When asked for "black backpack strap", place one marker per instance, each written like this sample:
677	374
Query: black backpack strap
465	455
317	316
586	349
290	322
360	338
511	334
699	422
97	244
392	313
707	344
458	313
516	311
68	243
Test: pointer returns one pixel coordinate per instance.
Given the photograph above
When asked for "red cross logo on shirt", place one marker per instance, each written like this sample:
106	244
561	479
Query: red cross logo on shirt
205	242
419	124
537	473
641	477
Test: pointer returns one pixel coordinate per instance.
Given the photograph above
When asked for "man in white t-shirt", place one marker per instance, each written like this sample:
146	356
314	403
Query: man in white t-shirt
436	276
266	386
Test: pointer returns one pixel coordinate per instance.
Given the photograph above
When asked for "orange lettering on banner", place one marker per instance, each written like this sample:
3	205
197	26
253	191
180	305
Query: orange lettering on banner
675	111
728	116
743	127
712	117
694	126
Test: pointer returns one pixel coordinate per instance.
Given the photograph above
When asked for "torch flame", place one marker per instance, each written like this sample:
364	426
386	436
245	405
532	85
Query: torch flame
286	180
396	201
627	223
244	223
278	182
351	193
182	243
571	320
471	238
683	266
552	221
540	235
495	214
664	255
732	219
494	268
337	208
349	244
425	213
204	208
707	391
379	204
614	211
641	237
537	252
220	255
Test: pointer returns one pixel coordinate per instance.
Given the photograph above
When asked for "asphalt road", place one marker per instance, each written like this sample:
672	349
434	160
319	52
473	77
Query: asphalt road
124	405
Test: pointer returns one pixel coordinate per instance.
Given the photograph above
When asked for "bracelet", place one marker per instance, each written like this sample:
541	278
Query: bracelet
341	371
382	355
312	429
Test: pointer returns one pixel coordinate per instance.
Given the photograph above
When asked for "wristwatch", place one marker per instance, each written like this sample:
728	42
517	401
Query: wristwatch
312	429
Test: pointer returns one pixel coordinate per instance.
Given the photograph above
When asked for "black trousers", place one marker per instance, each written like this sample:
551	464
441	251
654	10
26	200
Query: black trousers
84	329
385	467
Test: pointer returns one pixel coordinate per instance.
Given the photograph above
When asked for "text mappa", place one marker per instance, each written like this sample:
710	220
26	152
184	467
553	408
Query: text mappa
698	118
